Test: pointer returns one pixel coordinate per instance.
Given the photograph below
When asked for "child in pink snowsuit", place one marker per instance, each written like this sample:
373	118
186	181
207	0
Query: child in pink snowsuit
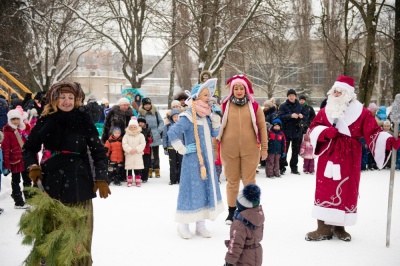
306	152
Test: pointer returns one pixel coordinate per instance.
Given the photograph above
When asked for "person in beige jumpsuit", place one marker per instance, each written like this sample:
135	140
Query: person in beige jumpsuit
243	132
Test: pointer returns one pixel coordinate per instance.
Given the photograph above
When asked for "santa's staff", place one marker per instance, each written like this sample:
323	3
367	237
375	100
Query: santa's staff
395	117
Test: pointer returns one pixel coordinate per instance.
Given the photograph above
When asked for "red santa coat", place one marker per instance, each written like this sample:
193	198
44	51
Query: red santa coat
339	164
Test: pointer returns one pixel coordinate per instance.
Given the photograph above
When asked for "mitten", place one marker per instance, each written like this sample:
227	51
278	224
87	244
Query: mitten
215	121
6	172
191	148
166	151
35	173
283	155
331	132
392	143
103	188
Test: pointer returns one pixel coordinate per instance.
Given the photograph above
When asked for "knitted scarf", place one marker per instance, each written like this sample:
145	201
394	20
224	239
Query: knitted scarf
202	108
238	101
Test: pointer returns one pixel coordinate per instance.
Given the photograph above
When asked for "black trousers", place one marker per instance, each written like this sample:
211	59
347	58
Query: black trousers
115	171
155	157
175	162
296	142
16	189
147	165
135	171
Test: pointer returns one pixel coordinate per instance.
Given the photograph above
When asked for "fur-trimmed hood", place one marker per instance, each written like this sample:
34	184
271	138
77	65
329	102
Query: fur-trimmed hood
143	112
135	132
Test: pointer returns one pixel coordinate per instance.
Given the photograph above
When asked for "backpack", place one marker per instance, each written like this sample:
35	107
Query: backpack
94	111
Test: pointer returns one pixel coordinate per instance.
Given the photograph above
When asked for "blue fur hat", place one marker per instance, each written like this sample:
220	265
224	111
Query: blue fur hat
248	197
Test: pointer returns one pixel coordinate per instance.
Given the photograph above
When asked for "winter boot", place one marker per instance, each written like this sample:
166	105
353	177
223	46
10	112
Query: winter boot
184	232
129	180
117	181
229	219
138	180
157	171
323	232
340	233
19	201
150	172
201	229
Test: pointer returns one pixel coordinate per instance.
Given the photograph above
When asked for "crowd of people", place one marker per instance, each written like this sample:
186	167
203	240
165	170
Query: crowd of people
200	135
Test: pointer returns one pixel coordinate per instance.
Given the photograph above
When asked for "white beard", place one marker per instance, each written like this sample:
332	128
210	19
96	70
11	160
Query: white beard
337	106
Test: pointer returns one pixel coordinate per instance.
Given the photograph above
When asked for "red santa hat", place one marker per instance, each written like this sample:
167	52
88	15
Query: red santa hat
240	79
344	83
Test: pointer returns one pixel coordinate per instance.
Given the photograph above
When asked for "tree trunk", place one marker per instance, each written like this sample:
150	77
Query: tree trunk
396	56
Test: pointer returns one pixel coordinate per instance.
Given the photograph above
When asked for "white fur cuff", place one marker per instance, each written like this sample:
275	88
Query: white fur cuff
179	147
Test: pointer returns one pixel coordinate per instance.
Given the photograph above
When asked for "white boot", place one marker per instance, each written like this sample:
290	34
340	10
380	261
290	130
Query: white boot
184	232
201	229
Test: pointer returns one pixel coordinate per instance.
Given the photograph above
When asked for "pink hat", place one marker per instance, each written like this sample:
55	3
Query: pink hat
240	79
373	107
344	83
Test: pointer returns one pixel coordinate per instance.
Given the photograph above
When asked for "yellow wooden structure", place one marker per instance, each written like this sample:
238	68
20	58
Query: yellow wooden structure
8	88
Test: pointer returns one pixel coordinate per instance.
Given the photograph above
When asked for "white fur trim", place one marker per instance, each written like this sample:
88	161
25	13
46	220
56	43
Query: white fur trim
179	147
216	121
190	117
332	171
380	149
334	216
351	115
343	85
314	138
15	114
198	215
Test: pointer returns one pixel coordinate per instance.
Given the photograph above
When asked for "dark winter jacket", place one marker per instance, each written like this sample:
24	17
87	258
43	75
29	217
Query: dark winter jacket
154	122
270	115
148	136
165	140
3	113
244	248
310	116
12	151
15	101
33	104
66	137
291	126
276	142
94	111
116	117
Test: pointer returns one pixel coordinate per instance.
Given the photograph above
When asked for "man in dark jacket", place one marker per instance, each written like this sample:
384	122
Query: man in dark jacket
292	113
309	111
15	101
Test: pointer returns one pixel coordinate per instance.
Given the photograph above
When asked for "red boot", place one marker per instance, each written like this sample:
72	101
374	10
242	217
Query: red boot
138	180
129	180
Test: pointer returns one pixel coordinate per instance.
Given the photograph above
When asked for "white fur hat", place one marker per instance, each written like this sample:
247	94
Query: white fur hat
123	101
175	103
15	114
133	122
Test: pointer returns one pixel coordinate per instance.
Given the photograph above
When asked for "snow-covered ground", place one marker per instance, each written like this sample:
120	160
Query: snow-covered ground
135	226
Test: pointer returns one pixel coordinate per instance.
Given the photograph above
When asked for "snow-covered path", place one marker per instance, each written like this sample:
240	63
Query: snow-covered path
135	226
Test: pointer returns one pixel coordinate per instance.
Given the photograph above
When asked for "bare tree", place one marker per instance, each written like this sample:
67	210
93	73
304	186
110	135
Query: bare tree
302	16
370	12
15	38
126	24
396	54
57	41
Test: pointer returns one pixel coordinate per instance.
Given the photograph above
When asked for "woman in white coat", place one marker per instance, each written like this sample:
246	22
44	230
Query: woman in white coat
133	144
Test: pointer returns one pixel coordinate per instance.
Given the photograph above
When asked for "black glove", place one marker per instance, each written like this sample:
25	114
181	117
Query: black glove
166	151
228	264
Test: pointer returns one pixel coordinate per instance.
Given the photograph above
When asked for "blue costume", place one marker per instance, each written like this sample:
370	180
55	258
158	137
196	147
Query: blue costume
198	199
